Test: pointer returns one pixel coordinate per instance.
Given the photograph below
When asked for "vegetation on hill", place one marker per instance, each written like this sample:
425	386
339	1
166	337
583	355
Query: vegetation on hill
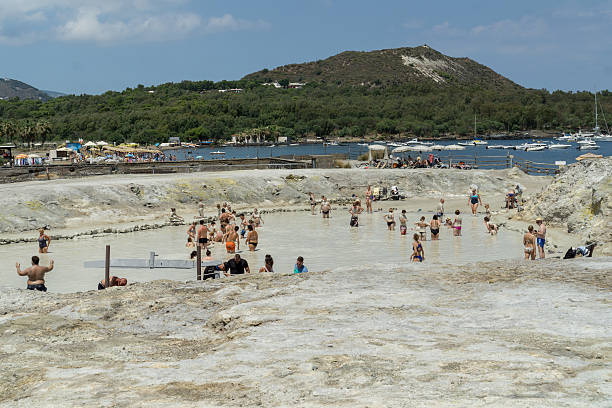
10	88
418	102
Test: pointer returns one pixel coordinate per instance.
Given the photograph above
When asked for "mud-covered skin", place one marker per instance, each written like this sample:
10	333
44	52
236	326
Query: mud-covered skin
509	333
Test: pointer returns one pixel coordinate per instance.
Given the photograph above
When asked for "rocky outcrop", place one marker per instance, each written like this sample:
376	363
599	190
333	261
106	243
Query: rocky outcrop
496	334
579	199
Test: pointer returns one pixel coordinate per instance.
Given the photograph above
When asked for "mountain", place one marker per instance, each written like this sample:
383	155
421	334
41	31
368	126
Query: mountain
11	88
388	67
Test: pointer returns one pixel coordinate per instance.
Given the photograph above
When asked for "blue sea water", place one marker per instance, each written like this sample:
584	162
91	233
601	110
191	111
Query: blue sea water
354	150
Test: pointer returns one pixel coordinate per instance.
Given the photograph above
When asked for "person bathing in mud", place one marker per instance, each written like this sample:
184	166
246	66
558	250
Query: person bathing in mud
35	274
403	219
313	203
541	237
369	195
232	240
43	242
457	224
355	210
203	235
191	231
474	200
491	228
529	241
256	219
390	220
434	227
422	228
114	281
252	238
325	208
418	254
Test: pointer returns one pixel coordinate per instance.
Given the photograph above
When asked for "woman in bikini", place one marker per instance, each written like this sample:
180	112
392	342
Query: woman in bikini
191	231
457	224
252	238
355	211
418	254
529	241
390	219
474	200
43	242
369	197
403	219
422	226
434	226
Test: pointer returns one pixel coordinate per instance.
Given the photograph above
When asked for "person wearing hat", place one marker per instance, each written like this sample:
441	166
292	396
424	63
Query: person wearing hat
541	237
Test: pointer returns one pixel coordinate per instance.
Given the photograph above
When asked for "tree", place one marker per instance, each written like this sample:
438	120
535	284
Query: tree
284	83
42	130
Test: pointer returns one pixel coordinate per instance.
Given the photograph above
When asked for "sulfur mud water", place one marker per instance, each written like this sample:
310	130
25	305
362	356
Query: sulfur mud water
324	243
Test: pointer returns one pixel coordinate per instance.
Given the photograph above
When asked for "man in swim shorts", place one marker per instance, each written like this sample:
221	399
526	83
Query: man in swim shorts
203	235
325	207
232	240
35	274
541	237
235	266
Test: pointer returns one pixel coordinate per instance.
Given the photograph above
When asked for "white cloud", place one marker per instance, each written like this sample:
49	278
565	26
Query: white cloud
108	22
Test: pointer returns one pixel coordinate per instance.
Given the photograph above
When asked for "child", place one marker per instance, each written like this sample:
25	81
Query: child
403	220
491	228
457	224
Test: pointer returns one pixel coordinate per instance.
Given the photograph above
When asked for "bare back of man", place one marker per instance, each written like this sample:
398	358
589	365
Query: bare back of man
35	274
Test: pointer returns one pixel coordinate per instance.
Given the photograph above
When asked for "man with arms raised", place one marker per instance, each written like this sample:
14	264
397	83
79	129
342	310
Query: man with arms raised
35	274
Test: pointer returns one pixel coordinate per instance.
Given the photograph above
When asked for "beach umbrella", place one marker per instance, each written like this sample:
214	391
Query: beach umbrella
33	156
401	149
454	147
419	148
102	143
89	144
377	147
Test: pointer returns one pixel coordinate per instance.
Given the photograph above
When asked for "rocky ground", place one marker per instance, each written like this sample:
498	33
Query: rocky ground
490	334
578	200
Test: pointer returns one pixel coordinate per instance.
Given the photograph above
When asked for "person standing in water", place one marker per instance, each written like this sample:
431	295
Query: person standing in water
232	240
268	264
355	211
434	226
541	237
313	203
529	241
369	198
403	219
491	228
325	207
440	209
35	274
418	254
299	266
43	242
252	238
390	219
422	225
457	224
203	235
474	200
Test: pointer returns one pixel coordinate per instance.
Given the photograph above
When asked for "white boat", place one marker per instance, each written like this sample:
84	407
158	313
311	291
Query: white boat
416	141
602	138
480	142
217	152
588	146
496	147
559	146
362	144
466	144
535	148
297	144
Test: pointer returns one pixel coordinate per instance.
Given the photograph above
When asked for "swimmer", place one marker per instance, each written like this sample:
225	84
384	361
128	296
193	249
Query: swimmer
203	235
541	237
390	219
252	238
43	242
529	241
232	240
440	209
355	211
457	224
491	228
403	220
448	223
474	200
369	198
325	208
299	266
190	243
418	254
434	227
114	281
208	257
35	274
268	264
422	226
313	203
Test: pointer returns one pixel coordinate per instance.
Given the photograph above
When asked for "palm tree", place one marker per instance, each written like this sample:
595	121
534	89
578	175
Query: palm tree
7	131
42	130
28	133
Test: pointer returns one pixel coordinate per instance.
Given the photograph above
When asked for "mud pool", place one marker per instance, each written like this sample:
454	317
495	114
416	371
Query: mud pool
324	244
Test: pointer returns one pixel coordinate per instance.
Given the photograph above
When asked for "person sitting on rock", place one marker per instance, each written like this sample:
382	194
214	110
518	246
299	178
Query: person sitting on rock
175	219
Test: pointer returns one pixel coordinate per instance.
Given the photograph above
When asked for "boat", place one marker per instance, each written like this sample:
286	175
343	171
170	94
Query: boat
416	141
217	152
362	144
496	147
294	144
535	148
480	142
471	143
603	138
588	146
559	146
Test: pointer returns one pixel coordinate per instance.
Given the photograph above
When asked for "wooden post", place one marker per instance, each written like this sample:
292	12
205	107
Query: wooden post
107	268
199	263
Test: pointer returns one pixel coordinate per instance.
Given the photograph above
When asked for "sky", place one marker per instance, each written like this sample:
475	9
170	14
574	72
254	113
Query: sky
92	46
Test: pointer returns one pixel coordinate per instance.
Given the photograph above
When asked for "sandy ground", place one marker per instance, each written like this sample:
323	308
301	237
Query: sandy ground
488	334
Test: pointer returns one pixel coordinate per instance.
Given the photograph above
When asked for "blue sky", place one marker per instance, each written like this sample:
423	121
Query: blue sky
91	46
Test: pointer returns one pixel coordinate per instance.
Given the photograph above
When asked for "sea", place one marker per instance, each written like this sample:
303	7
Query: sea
354	150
